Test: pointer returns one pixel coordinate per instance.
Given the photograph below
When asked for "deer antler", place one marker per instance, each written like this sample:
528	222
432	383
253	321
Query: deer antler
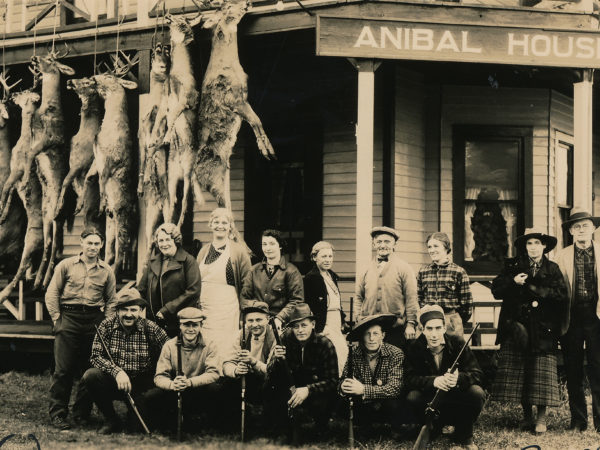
55	54
122	67
5	84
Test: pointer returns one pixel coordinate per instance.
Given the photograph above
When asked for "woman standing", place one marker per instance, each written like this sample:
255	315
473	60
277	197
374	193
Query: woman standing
171	279
223	265
274	281
321	293
534	302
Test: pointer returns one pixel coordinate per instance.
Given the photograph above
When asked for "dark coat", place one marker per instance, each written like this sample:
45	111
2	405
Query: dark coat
538	305
281	293
178	287
420	369
315	295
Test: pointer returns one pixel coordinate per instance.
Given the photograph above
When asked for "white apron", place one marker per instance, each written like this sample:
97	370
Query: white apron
333	323
219	302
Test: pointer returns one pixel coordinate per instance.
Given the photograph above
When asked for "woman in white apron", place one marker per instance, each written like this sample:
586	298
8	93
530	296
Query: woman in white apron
323	296
223	265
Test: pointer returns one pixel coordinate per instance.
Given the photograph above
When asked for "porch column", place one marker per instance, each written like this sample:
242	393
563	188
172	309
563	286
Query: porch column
364	160
582	152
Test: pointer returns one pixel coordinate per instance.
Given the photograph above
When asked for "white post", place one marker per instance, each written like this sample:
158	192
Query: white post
23	15
143	7
94	11
8	18
582	152
364	161
112	8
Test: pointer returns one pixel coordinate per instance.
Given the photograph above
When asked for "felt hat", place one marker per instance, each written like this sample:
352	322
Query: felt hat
190	314
255	306
384	320
429	312
384	230
301	311
534	233
129	297
577	215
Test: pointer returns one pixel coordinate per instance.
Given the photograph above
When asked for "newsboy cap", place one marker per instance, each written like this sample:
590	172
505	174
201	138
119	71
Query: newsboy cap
384	230
129	297
190	314
429	312
255	306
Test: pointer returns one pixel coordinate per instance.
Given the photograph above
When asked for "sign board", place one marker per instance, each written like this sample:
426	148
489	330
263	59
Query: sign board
397	39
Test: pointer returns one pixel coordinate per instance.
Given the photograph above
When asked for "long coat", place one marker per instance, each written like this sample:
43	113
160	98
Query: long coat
177	288
315	295
539	305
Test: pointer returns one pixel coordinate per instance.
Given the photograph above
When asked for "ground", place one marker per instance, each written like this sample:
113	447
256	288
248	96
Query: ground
23	412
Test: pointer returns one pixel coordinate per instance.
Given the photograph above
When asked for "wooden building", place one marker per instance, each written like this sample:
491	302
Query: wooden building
474	118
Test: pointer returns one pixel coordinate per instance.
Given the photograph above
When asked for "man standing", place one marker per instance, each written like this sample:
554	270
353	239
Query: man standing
312	361
134	344
426	367
444	283
376	379
579	265
80	295
199	361
389	286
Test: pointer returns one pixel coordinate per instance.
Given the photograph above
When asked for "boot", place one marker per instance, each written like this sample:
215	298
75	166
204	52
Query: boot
540	422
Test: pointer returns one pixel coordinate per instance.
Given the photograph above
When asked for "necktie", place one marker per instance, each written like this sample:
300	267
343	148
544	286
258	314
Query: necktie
270	270
382	258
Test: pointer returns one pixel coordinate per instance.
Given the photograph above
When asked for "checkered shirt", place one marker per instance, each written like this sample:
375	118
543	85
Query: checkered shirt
585	277
447	286
386	381
135	353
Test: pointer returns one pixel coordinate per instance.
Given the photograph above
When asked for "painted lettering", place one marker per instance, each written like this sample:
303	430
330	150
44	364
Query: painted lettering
540	45
366	38
586	47
513	43
387	35
465	44
556	47
422	39
447	42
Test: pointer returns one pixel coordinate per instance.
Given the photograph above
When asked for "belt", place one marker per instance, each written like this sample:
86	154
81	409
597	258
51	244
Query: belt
449	310
79	307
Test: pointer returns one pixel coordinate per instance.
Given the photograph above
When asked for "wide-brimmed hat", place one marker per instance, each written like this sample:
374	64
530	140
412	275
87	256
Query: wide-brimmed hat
384	320
255	306
130	297
577	215
384	230
190	314
536	233
300	312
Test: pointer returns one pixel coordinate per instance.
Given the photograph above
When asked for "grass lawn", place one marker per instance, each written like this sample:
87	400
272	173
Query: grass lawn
24	405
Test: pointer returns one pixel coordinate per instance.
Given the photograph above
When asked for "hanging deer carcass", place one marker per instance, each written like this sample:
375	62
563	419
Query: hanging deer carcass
152	183
113	164
30	194
11	231
82	153
223	105
50	152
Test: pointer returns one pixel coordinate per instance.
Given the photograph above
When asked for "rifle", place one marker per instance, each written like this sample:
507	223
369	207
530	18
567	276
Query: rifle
350	397
127	394
243	346
179	395
431	411
290	382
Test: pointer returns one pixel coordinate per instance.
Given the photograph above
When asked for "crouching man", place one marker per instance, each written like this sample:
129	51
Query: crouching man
426	370
373	373
312	361
134	344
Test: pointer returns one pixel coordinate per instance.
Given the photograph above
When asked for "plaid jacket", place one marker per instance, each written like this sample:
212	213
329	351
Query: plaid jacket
447	286
386	382
318	370
135	353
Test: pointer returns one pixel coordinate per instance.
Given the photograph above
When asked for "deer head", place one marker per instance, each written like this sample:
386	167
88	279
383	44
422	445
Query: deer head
6	87
49	64
180	27
226	19
84	88
111	81
27	100
161	61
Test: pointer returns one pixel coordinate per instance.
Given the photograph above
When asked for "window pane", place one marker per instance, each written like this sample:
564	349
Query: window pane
563	172
491	199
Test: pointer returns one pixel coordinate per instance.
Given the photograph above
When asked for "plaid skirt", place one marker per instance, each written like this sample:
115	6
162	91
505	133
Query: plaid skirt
524	378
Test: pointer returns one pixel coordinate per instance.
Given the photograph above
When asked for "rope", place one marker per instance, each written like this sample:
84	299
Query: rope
34	31
95	44
56	6
119	23
4	40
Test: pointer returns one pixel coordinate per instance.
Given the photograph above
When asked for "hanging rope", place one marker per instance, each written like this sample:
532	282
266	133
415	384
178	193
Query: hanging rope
95	44
119	23
34	31
4	40
56	6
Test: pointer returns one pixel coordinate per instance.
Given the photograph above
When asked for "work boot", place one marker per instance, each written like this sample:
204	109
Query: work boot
60	423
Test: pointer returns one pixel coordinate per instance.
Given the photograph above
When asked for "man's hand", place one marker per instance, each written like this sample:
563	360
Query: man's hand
181	383
520	278
351	386
298	397
245	357
410	332
279	352
441	383
451	378
160	316
241	369
278	324
123	382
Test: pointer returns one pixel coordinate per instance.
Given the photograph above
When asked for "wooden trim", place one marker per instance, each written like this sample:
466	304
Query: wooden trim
32	23
386	90
76	10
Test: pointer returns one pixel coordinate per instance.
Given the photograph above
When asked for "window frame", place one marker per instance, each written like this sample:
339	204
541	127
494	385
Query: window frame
463	133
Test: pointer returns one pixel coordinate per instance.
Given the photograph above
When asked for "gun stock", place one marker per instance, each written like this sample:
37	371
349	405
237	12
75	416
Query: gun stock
179	395
350	398
243	345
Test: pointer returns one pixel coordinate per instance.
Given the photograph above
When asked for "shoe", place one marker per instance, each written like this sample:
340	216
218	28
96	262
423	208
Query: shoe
60	423
578	426
81	421
111	426
540	426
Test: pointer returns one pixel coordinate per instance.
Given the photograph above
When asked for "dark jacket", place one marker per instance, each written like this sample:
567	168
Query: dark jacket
420	369
538	305
318	370
281	293
176	289
315	295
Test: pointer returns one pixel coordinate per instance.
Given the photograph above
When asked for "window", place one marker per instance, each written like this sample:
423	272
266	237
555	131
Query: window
489	194
564	183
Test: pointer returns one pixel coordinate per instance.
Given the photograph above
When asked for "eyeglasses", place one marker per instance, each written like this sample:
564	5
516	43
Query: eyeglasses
581	226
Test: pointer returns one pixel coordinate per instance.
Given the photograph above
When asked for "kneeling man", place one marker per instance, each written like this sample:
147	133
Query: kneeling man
426	370
134	344
373	373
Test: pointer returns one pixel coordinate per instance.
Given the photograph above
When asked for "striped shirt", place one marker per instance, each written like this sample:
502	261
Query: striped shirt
585	277
135	352
447	286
